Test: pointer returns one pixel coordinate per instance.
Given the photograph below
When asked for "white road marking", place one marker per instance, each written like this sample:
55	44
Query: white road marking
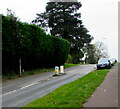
9	92
20	88
29	85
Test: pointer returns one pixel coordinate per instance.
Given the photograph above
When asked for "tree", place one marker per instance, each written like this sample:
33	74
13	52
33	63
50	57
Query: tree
64	21
93	52
89	51
17	35
100	50
35	49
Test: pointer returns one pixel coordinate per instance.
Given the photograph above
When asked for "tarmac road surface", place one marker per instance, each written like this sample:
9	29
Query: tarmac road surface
17	93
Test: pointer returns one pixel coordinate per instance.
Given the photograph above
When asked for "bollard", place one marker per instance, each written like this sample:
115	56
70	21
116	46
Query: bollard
62	69
57	70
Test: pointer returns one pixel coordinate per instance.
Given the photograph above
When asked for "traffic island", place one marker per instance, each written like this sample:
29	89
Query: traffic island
59	73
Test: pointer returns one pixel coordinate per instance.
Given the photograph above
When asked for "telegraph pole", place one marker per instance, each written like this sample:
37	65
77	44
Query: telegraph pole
106	41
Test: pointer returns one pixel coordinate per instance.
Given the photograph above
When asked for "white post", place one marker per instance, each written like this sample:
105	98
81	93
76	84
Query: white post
62	69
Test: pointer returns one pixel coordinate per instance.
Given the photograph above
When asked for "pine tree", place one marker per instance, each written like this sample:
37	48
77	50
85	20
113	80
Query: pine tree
63	20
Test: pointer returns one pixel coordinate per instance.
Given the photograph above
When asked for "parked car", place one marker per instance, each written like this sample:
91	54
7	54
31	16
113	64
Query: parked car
115	60
103	63
112	61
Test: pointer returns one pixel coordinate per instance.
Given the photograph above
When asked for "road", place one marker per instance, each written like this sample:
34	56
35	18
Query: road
17	93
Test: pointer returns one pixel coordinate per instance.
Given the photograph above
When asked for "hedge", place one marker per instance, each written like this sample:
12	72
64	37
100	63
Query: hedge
30	43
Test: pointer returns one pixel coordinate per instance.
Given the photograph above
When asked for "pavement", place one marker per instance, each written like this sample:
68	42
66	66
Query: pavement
106	94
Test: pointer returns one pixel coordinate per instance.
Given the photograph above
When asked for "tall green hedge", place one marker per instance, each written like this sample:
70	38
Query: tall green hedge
30	43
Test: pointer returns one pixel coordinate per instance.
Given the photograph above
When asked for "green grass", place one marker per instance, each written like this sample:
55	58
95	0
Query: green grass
38	71
33	72
26	73
73	94
67	65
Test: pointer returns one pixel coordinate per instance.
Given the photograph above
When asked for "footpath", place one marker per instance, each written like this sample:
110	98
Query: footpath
106	94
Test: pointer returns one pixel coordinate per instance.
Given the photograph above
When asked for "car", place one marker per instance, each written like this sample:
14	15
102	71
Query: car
103	63
112	61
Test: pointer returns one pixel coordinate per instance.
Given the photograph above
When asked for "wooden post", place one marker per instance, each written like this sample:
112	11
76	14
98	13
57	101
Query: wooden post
20	66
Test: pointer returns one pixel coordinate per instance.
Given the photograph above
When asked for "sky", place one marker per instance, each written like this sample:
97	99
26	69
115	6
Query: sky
100	17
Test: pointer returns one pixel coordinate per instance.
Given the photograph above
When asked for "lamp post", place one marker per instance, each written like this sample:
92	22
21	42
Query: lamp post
20	43
106	41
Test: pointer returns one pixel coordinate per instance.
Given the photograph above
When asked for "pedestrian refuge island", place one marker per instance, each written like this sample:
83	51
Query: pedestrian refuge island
59	70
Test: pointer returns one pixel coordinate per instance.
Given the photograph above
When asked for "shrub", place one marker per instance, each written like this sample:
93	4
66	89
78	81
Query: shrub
30	43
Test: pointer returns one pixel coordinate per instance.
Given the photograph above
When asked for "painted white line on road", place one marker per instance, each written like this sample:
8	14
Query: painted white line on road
29	85
9	92
20	88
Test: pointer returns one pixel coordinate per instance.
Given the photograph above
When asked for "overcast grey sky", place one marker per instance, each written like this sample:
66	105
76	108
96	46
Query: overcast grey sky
100	17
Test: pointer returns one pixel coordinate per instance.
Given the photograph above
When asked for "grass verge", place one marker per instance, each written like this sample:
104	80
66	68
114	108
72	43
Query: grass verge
67	65
26	73
33	72
73	94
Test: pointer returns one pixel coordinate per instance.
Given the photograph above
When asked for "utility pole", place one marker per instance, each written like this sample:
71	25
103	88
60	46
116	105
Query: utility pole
106	43
20	44
20	70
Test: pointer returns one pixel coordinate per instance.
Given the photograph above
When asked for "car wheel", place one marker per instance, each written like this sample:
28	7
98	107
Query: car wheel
98	68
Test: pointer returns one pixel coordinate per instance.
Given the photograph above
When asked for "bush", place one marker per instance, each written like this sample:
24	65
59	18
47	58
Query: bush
30	43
